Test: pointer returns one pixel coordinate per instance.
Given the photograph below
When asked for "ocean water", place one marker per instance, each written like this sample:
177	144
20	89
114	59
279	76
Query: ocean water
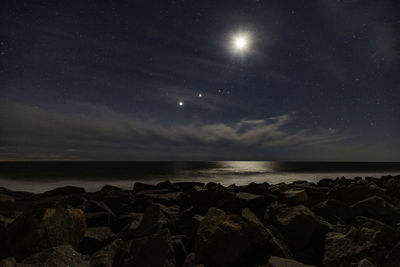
42	176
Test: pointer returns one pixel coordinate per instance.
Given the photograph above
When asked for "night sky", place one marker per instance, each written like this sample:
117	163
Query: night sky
200	80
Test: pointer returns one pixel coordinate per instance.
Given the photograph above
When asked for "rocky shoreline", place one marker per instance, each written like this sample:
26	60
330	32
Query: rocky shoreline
335	222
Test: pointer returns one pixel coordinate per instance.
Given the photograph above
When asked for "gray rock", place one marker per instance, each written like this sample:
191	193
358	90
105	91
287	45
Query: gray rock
333	211
58	256
377	208
153	220
225	240
282	262
153	250
40	229
94	239
352	193
128	232
105	256
62	191
8	262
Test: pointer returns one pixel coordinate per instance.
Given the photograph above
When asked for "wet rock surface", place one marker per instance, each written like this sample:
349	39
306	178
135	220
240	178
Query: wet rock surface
335	222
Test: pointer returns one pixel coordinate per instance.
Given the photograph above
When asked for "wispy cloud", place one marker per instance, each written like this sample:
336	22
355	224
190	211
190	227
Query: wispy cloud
102	133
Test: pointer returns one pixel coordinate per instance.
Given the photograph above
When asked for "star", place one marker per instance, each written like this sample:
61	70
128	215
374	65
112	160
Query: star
180	103
200	95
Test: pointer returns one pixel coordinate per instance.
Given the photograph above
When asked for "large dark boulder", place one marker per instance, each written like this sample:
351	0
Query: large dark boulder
303	231
119	200
347	249
153	250
282	262
129	230
333	210
137	187
105	256
162	196
153	220
392	259
40	229
257	203
94	239
216	196
226	239
377	208
352	193
57	257
63	191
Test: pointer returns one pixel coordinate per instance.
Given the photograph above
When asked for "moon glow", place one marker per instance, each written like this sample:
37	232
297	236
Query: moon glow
240	42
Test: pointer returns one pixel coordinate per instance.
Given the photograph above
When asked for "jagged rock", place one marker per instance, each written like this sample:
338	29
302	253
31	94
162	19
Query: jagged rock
39	229
326	182
257	189
17	195
137	187
153	250
105	256
119	200
250	216
97	219
302	230
345	249
295	196
364	263
183	186
179	249
225	240
94	239
166	185
352	193
189	223
392	259
256	203
58	256
107	188
166	198
377	208
128	232
63	191
124	220
153	220
377	232
282	262
331	209
190	260
216	196
8	262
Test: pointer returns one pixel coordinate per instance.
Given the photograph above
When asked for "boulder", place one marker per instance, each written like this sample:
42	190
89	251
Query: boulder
58	256
105	256
250	216
129	230
226	239
364	263
40	229
97	219
153	220
257	203
107	188
303	231
167	185
183	186
189	223
392	259
179	249
119	200
153	250
137	187
295	196
257	189
377	232
345	249
125	219
377	208
333	211
63	191
168	198
8	262
17	195
94	239
282	262
352	193
216	196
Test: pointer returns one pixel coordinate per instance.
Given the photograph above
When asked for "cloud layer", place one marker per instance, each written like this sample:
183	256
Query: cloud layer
95	132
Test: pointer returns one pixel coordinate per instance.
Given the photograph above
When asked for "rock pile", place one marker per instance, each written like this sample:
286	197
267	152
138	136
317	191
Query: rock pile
335	222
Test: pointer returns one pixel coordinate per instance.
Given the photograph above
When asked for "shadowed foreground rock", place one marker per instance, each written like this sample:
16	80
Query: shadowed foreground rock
340	222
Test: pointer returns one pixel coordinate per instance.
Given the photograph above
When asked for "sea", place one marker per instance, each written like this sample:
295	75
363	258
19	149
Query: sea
42	176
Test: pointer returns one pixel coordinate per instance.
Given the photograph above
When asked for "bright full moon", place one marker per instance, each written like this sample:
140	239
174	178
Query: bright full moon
240	42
